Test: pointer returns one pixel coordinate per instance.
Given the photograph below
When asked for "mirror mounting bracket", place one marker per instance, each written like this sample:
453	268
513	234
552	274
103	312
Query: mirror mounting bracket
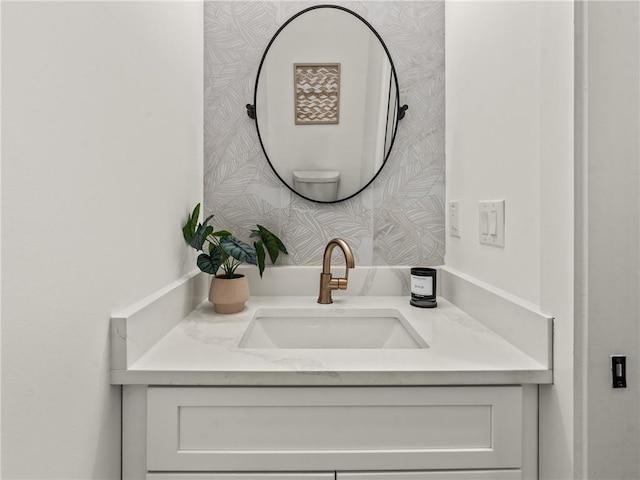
402	111
251	111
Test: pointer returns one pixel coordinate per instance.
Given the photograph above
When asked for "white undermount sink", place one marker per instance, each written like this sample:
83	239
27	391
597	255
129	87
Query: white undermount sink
333	328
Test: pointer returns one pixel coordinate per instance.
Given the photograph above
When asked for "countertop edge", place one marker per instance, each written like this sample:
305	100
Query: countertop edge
330	378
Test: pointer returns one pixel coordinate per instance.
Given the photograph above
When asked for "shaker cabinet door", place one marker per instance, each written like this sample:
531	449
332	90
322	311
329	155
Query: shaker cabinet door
323	429
241	476
434	475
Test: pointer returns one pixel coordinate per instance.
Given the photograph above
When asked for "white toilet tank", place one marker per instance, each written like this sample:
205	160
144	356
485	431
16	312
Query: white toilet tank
320	185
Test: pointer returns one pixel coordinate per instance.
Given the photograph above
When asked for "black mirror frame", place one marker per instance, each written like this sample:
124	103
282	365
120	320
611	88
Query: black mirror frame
251	109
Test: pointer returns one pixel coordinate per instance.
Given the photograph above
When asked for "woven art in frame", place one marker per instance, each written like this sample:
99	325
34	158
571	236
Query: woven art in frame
317	93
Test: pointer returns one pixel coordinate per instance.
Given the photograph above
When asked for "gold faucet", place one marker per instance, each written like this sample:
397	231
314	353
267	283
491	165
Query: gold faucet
327	282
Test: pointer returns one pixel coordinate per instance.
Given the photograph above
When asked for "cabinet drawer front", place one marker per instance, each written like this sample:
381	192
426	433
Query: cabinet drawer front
241	476
316	429
452	475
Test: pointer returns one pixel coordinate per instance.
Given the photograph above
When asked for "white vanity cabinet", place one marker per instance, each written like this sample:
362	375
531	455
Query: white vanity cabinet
347	433
198	406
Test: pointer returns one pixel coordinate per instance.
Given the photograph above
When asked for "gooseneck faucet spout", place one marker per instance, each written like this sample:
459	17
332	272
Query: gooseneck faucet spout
327	282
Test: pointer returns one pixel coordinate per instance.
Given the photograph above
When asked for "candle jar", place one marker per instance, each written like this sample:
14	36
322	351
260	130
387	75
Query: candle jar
423	287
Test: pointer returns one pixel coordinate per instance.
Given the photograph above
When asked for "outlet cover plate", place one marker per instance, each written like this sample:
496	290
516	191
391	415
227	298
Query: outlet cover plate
454	218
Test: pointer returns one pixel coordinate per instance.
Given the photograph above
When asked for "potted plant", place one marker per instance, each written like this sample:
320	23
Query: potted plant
222	250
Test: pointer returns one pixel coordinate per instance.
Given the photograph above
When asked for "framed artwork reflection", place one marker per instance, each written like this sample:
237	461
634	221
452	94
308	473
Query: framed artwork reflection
317	93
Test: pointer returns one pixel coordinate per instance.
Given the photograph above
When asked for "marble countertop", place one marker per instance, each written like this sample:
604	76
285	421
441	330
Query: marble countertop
203	349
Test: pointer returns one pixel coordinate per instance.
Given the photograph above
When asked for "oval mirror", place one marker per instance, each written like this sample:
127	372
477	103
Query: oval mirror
326	103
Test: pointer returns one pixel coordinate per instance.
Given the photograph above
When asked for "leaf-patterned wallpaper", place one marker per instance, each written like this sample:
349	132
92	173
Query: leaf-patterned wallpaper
399	218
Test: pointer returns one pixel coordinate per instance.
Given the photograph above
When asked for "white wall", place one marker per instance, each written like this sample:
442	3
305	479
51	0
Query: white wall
101	161
509	131
608	177
493	137
0	249
557	402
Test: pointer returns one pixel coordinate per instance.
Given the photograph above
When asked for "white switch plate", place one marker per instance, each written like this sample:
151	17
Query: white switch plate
491	222
454	218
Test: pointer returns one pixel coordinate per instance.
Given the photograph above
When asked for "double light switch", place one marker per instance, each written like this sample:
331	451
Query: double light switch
492	223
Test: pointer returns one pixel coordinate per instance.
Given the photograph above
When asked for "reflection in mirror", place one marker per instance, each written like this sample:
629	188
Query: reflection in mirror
326	103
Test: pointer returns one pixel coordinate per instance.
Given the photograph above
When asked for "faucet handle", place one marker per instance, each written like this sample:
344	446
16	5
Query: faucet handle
338	283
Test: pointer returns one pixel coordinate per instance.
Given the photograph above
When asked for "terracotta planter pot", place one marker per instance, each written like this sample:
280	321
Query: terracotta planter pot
229	294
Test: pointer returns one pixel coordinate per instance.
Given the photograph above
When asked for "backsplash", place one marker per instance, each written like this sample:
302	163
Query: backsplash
399	218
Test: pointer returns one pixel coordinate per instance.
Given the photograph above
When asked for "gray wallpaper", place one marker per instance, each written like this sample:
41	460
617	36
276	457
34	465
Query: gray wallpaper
399	219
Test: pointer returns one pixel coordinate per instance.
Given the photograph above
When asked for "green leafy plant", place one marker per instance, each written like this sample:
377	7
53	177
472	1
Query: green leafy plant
220	249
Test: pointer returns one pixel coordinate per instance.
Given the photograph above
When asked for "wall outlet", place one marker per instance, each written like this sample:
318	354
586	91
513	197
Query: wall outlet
619	371
454	218
491	223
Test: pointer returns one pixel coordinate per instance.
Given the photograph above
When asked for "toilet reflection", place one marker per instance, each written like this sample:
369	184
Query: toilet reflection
318	185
